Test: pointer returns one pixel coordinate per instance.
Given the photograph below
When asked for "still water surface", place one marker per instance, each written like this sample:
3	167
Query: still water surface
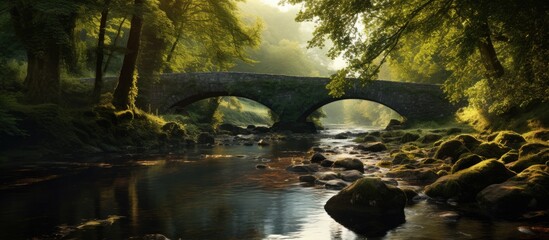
206	193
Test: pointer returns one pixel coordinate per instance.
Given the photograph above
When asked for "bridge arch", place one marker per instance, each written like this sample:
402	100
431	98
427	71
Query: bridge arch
327	101
188	100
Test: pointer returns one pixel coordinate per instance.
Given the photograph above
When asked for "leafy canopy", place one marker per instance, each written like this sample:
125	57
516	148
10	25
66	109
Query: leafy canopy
492	53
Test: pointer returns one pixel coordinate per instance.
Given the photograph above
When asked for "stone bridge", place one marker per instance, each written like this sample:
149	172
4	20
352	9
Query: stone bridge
293	98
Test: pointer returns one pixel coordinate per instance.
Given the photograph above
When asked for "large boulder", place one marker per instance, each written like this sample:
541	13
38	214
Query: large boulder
423	175
394	124
317	158
539	135
527	191
368	206
451	149
510	139
373	147
525	161
349	164
351	175
466	184
466	162
401	158
509	157
409	137
468	140
532	148
303	168
491	150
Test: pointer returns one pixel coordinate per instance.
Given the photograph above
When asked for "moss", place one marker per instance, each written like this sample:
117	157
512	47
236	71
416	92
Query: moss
509	157
384	164
466	162
510	139
430	161
409	137
451	149
401	158
527	191
537	135
429	138
370	138
525	161
532	148
464	185
470	141
124	116
491	150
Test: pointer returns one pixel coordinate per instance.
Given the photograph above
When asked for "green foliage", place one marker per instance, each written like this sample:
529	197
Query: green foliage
205	35
281	50
8	122
492	58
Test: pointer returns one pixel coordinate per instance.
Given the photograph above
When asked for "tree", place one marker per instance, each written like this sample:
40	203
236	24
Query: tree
45	29
126	90
98	84
488	51
192	35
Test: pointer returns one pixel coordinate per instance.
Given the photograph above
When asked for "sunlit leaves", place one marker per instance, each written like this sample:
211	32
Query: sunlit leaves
436	40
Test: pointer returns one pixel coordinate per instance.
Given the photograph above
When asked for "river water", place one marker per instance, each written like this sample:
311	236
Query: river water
205	193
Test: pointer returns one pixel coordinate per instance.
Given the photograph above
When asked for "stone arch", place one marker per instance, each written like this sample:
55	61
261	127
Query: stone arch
323	102
185	101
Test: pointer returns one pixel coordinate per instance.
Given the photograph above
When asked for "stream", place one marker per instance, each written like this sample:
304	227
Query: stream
206	193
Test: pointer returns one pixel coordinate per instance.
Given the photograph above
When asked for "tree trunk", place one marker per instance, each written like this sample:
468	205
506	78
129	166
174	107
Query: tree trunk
126	90
119	30
43	75
488	53
100	53
42	82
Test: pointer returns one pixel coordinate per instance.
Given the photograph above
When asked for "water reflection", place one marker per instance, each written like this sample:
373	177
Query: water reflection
207	193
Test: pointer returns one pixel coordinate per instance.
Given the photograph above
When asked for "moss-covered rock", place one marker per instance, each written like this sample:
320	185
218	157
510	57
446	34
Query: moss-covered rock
466	162
532	148
430	161
466	184
410	195
349	164
409	137
317	158
491	150
527	191
510	139
537	135
429	138
509	157
525	161
368	206
370	138
351	175
470	141
451	149
401	158
424	175
373	147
